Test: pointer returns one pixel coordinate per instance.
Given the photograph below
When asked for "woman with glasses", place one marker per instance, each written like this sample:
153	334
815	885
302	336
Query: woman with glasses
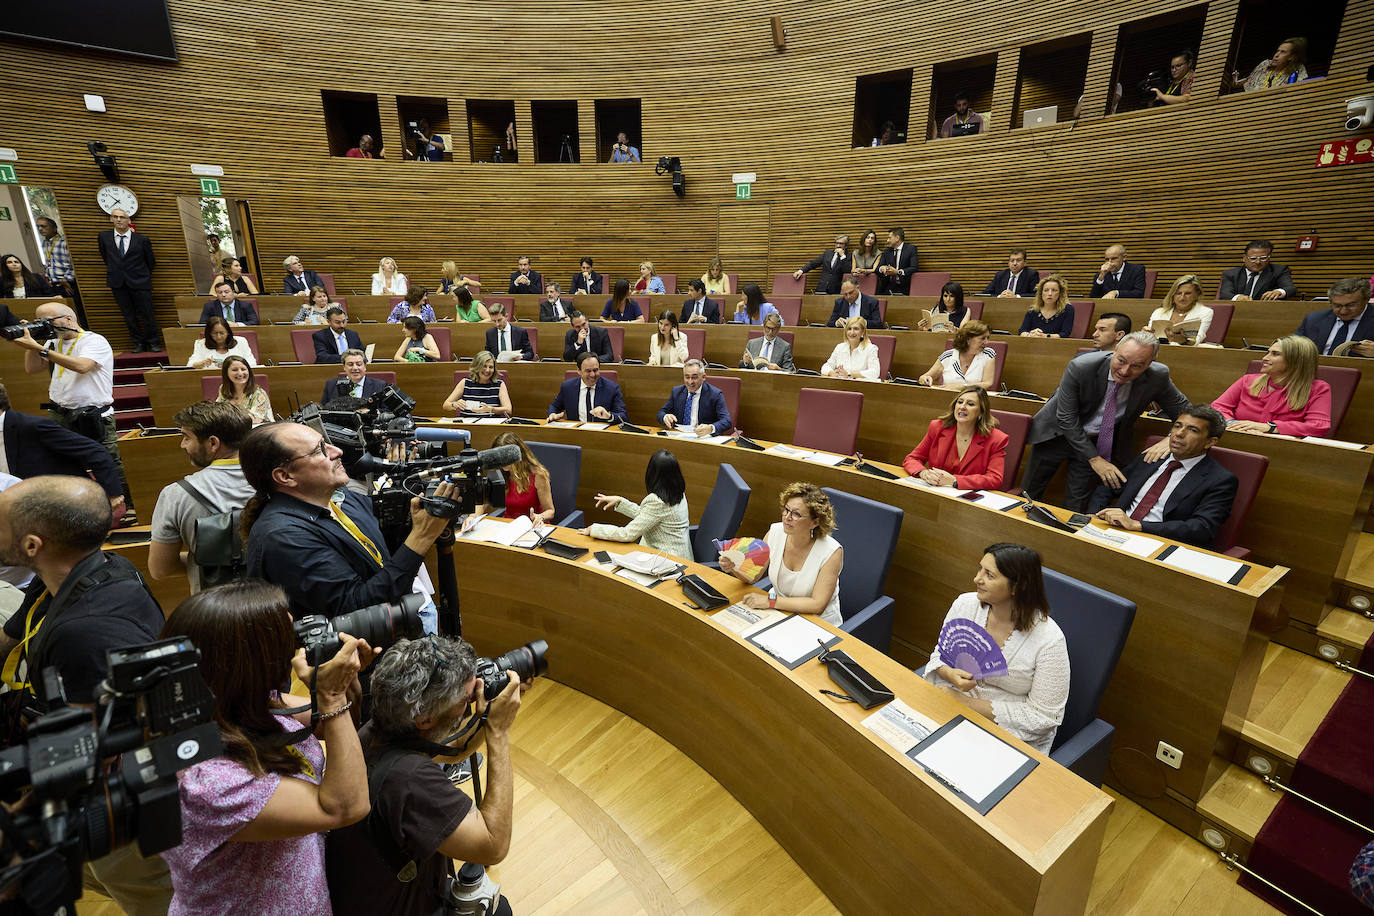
1181	304
659	522
804	561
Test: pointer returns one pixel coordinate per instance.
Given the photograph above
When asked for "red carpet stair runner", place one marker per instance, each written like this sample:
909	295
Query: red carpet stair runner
1303	849
132	408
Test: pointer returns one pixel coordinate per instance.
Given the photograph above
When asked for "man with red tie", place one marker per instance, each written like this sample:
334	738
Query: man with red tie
1181	493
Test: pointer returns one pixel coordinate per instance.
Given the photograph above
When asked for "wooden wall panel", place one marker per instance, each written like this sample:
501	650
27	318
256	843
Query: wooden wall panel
1185	187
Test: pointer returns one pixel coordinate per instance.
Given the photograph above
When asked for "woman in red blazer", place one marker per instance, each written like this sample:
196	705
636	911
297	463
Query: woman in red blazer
963	448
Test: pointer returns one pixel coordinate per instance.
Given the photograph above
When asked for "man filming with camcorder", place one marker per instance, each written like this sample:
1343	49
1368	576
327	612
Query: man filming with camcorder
430	699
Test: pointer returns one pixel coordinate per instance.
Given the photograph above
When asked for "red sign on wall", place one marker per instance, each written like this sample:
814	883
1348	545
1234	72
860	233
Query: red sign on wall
1346	152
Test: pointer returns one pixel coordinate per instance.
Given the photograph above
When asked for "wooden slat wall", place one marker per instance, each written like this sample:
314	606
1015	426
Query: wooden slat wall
1185	187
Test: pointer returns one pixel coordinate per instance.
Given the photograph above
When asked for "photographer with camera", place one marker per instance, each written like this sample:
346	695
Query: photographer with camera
1176	88
254	818
82	603
622	151
429	147
422	690
328	556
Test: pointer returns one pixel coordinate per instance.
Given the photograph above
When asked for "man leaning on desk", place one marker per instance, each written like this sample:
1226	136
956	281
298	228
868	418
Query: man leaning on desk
1174	489
696	404
589	397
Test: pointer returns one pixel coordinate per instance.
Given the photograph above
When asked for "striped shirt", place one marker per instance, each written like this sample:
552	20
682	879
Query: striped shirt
489	393
58	259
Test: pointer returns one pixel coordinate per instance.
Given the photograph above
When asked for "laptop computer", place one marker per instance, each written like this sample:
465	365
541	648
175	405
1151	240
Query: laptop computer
1039	117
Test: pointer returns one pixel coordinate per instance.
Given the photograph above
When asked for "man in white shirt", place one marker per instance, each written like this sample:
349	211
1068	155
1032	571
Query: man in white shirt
1175	489
81	386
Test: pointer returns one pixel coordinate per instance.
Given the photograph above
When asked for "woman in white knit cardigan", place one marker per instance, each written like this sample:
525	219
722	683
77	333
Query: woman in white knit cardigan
659	522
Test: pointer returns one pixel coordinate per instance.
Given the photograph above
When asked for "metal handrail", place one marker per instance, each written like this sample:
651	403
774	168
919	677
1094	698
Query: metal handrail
1346	666
1232	863
1273	783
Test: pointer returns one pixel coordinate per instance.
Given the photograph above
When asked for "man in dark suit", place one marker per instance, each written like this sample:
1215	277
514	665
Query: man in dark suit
355	383
1017	280
1349	318
1118	278
771	347
696	405
227	306
333	340
525	280
129	261
587	280
854	304
834	264
554	307
298	280
699	309
1184	495
1089	421
584	337
896	265
589	397
37	445
506	336
1258	277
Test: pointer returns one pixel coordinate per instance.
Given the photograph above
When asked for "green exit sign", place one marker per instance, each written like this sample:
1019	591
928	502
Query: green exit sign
7	175
209	186
5	215
741	192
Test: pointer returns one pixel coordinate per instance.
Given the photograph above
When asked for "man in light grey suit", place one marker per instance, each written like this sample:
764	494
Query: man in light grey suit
770	347
1071	426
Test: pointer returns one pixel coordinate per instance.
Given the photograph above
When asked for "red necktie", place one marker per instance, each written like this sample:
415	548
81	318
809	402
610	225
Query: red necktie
1156	490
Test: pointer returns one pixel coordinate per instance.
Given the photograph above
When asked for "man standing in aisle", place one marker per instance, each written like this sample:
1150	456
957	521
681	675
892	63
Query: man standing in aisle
128	257
57	262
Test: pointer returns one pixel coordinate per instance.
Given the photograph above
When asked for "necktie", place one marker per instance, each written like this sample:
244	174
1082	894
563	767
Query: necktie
505	345
1254	278
1107	433
357	389
123	240
836	261
1152	495
589	403
1342	335
342	342
229	313
1011	283
697	311
558	310
687	417
766	351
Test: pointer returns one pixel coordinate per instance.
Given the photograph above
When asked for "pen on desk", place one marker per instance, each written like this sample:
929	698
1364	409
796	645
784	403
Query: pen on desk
945	781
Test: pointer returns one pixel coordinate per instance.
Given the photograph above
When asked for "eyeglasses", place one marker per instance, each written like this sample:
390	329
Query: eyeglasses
1257	257
319	449
793	515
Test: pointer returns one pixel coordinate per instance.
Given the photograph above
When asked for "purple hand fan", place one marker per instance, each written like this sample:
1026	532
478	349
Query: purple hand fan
965	645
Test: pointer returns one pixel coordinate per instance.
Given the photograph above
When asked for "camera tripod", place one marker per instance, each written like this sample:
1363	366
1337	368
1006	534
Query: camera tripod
565	150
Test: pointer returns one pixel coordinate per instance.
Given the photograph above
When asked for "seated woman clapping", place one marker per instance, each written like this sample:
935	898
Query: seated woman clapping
856	356
659	522
253	819
969	362
1284	397
964	448
804	561
482	393
1009	602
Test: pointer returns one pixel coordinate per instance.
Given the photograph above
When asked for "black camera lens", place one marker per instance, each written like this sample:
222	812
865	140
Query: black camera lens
528	662
380	625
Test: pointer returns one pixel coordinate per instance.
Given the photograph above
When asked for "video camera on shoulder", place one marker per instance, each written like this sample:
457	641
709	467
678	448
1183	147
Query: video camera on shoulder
40	330
156	710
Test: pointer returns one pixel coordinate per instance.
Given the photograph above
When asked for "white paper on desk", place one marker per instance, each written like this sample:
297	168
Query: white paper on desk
590	425
1122	540
915	481
1336	442
367	353
1204	564
745	620
510	356
565	424
793	639
972	760
636	577
487	421
680	433
788	451
716	440
494	532
900	725
470	523
824	458
996	501
650	564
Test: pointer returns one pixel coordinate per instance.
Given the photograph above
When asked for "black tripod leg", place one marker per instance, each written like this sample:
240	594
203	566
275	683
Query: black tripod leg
446	585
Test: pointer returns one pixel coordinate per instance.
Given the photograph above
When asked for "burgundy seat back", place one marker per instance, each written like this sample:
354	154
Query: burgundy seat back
209	385
975	309
252	338
886	345
386	378
696	343
1222	313
1343	381
734	282
882	308
534	340
669	282
789	307
928	282
304	346
786	285
253	278
1249	469
1150	274
328	281
611	374
444	341
999	359
1082	318
341	302
868	283
617	333
507	301
646	306
828	420
606	282
1017	427
729	386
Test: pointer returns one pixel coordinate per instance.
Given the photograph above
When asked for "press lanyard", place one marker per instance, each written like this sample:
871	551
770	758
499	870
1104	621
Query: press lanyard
68	351
358	536
16	655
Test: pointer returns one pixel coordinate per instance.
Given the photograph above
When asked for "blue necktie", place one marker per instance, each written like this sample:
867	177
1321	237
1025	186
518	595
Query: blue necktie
123	240
687	419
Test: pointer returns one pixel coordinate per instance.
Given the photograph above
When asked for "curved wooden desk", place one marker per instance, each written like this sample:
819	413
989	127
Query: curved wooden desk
873	830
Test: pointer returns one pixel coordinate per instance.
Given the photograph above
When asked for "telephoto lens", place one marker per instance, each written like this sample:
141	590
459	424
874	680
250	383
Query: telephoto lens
527	661
379	625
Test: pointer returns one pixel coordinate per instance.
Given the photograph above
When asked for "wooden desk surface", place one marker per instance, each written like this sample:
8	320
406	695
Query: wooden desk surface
1188	670
871	828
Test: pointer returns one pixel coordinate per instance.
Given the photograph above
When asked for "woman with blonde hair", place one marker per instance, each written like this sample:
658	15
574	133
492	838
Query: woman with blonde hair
648	281
388	280
482	393
529	488
1181	304
1288	65
716	279
1284	397
1050	314
856	356
450	279
668	345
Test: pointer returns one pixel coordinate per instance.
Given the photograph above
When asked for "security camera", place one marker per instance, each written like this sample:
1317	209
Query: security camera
1359	113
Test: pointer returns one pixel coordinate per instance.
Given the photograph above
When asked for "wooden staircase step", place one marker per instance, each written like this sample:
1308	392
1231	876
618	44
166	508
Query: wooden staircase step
1361	572
1239	801
1293	694
1349	628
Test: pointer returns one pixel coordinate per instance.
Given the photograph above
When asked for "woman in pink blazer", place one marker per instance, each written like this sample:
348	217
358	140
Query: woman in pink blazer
963	448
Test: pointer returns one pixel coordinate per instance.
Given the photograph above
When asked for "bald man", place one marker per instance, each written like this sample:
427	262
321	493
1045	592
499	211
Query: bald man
128	257
1117	277
81	386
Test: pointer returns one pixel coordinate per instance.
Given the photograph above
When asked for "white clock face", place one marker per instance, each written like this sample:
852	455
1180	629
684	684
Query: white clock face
116	197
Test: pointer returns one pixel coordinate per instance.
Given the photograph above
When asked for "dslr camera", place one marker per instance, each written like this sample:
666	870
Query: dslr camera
1157	79
527	661
40	330
379	625
160	714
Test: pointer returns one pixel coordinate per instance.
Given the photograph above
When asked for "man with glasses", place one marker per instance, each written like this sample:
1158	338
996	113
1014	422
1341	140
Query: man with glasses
318	541
1349	320
1258	277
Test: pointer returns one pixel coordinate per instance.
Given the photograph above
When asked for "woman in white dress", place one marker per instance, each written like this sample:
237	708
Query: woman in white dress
1009	602
659	522
217	345
1181	304
854	357
388	280
804	561
969	362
